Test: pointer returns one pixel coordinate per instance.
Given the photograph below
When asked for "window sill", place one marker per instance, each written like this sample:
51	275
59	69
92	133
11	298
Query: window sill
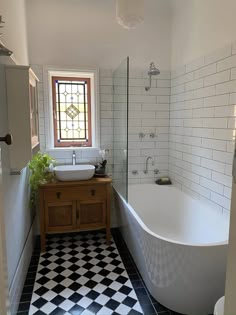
64	155
72	148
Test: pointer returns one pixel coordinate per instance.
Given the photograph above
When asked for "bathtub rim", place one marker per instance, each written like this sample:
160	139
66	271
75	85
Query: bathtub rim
146	229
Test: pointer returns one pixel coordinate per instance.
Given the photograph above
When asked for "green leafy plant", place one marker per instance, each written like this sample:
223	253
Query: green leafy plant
39	167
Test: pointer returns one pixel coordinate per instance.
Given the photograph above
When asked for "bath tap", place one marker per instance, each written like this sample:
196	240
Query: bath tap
73	158
156	171
141	135
147	160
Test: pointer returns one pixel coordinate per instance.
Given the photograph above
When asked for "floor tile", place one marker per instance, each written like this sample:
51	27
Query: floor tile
80	274
159	308
23	307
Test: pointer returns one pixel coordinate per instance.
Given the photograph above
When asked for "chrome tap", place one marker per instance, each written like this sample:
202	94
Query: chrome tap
73	158
147	160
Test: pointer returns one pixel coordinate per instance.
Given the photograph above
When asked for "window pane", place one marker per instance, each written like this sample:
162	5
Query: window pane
72	111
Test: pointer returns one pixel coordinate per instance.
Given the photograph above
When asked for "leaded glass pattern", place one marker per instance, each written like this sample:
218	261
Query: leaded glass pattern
71	106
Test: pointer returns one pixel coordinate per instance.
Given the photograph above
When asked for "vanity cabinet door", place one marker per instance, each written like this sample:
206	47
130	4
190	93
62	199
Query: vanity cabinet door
91	214
60	216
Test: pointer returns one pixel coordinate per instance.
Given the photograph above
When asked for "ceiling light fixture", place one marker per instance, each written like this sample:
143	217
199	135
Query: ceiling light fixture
129	13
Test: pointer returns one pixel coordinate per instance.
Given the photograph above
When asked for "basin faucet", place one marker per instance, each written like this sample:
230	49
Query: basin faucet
147	160
73	158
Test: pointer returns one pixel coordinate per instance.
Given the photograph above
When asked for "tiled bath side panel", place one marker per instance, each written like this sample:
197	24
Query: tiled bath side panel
202	127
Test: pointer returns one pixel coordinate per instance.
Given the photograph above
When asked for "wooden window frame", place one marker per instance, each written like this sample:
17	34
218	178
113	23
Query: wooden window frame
71	143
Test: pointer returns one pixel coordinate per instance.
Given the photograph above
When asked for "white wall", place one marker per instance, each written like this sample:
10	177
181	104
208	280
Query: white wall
200	27
85	33
14	32
18	218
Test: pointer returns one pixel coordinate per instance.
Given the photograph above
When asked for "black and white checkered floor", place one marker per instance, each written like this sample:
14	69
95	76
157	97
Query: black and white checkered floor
82	275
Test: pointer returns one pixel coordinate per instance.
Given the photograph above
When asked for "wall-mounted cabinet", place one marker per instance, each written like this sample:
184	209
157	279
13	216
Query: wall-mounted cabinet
22	100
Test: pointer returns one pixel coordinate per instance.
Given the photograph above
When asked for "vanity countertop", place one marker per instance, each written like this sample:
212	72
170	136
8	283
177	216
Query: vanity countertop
94	180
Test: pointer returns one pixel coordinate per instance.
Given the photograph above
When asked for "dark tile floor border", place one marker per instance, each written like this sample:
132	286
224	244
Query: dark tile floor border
149	305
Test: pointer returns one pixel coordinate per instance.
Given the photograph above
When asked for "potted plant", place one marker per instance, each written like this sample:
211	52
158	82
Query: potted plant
101	168
40	174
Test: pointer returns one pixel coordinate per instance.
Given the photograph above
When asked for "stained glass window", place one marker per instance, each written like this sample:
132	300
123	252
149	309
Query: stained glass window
71	109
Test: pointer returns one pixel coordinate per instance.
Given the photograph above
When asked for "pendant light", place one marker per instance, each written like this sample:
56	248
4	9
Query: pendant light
129	13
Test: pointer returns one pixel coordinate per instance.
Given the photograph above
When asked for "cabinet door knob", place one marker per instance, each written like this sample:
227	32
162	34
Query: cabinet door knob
58	195
93	192
7	139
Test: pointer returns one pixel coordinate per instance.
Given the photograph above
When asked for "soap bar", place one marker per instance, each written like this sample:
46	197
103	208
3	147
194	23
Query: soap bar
163	181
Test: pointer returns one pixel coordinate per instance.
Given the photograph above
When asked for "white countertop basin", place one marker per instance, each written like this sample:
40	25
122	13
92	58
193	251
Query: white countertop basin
74	172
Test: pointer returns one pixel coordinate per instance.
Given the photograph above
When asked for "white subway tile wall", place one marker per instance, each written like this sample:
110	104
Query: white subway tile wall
187	118
148	113
202	127
148	116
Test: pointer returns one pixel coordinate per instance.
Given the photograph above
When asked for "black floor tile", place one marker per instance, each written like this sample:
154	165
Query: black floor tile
76	310
131	270
29	281
134	277
137	284
27	289
94	307
33	268
24	306
148	309
31	275
160	308
57	311
143	296
26	297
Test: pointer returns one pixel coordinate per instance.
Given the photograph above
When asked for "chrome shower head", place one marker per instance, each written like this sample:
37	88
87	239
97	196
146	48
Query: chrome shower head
152	71
5	51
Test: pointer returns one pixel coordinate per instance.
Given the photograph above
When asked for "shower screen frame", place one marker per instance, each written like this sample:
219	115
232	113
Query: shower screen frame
120	127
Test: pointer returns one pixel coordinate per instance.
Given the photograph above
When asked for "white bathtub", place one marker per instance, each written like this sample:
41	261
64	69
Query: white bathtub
179	245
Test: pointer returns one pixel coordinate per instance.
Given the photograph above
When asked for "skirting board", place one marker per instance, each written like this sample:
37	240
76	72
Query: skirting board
21	271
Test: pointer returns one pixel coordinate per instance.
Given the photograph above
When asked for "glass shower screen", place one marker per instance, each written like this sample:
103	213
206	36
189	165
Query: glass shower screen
120	127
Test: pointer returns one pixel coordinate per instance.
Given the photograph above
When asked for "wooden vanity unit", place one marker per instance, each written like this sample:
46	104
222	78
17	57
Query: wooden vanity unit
75	206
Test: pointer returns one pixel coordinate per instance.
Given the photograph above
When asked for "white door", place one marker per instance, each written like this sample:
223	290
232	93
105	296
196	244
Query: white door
4	309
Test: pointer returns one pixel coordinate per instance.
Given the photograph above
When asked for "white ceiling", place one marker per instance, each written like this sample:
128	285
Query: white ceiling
85	33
